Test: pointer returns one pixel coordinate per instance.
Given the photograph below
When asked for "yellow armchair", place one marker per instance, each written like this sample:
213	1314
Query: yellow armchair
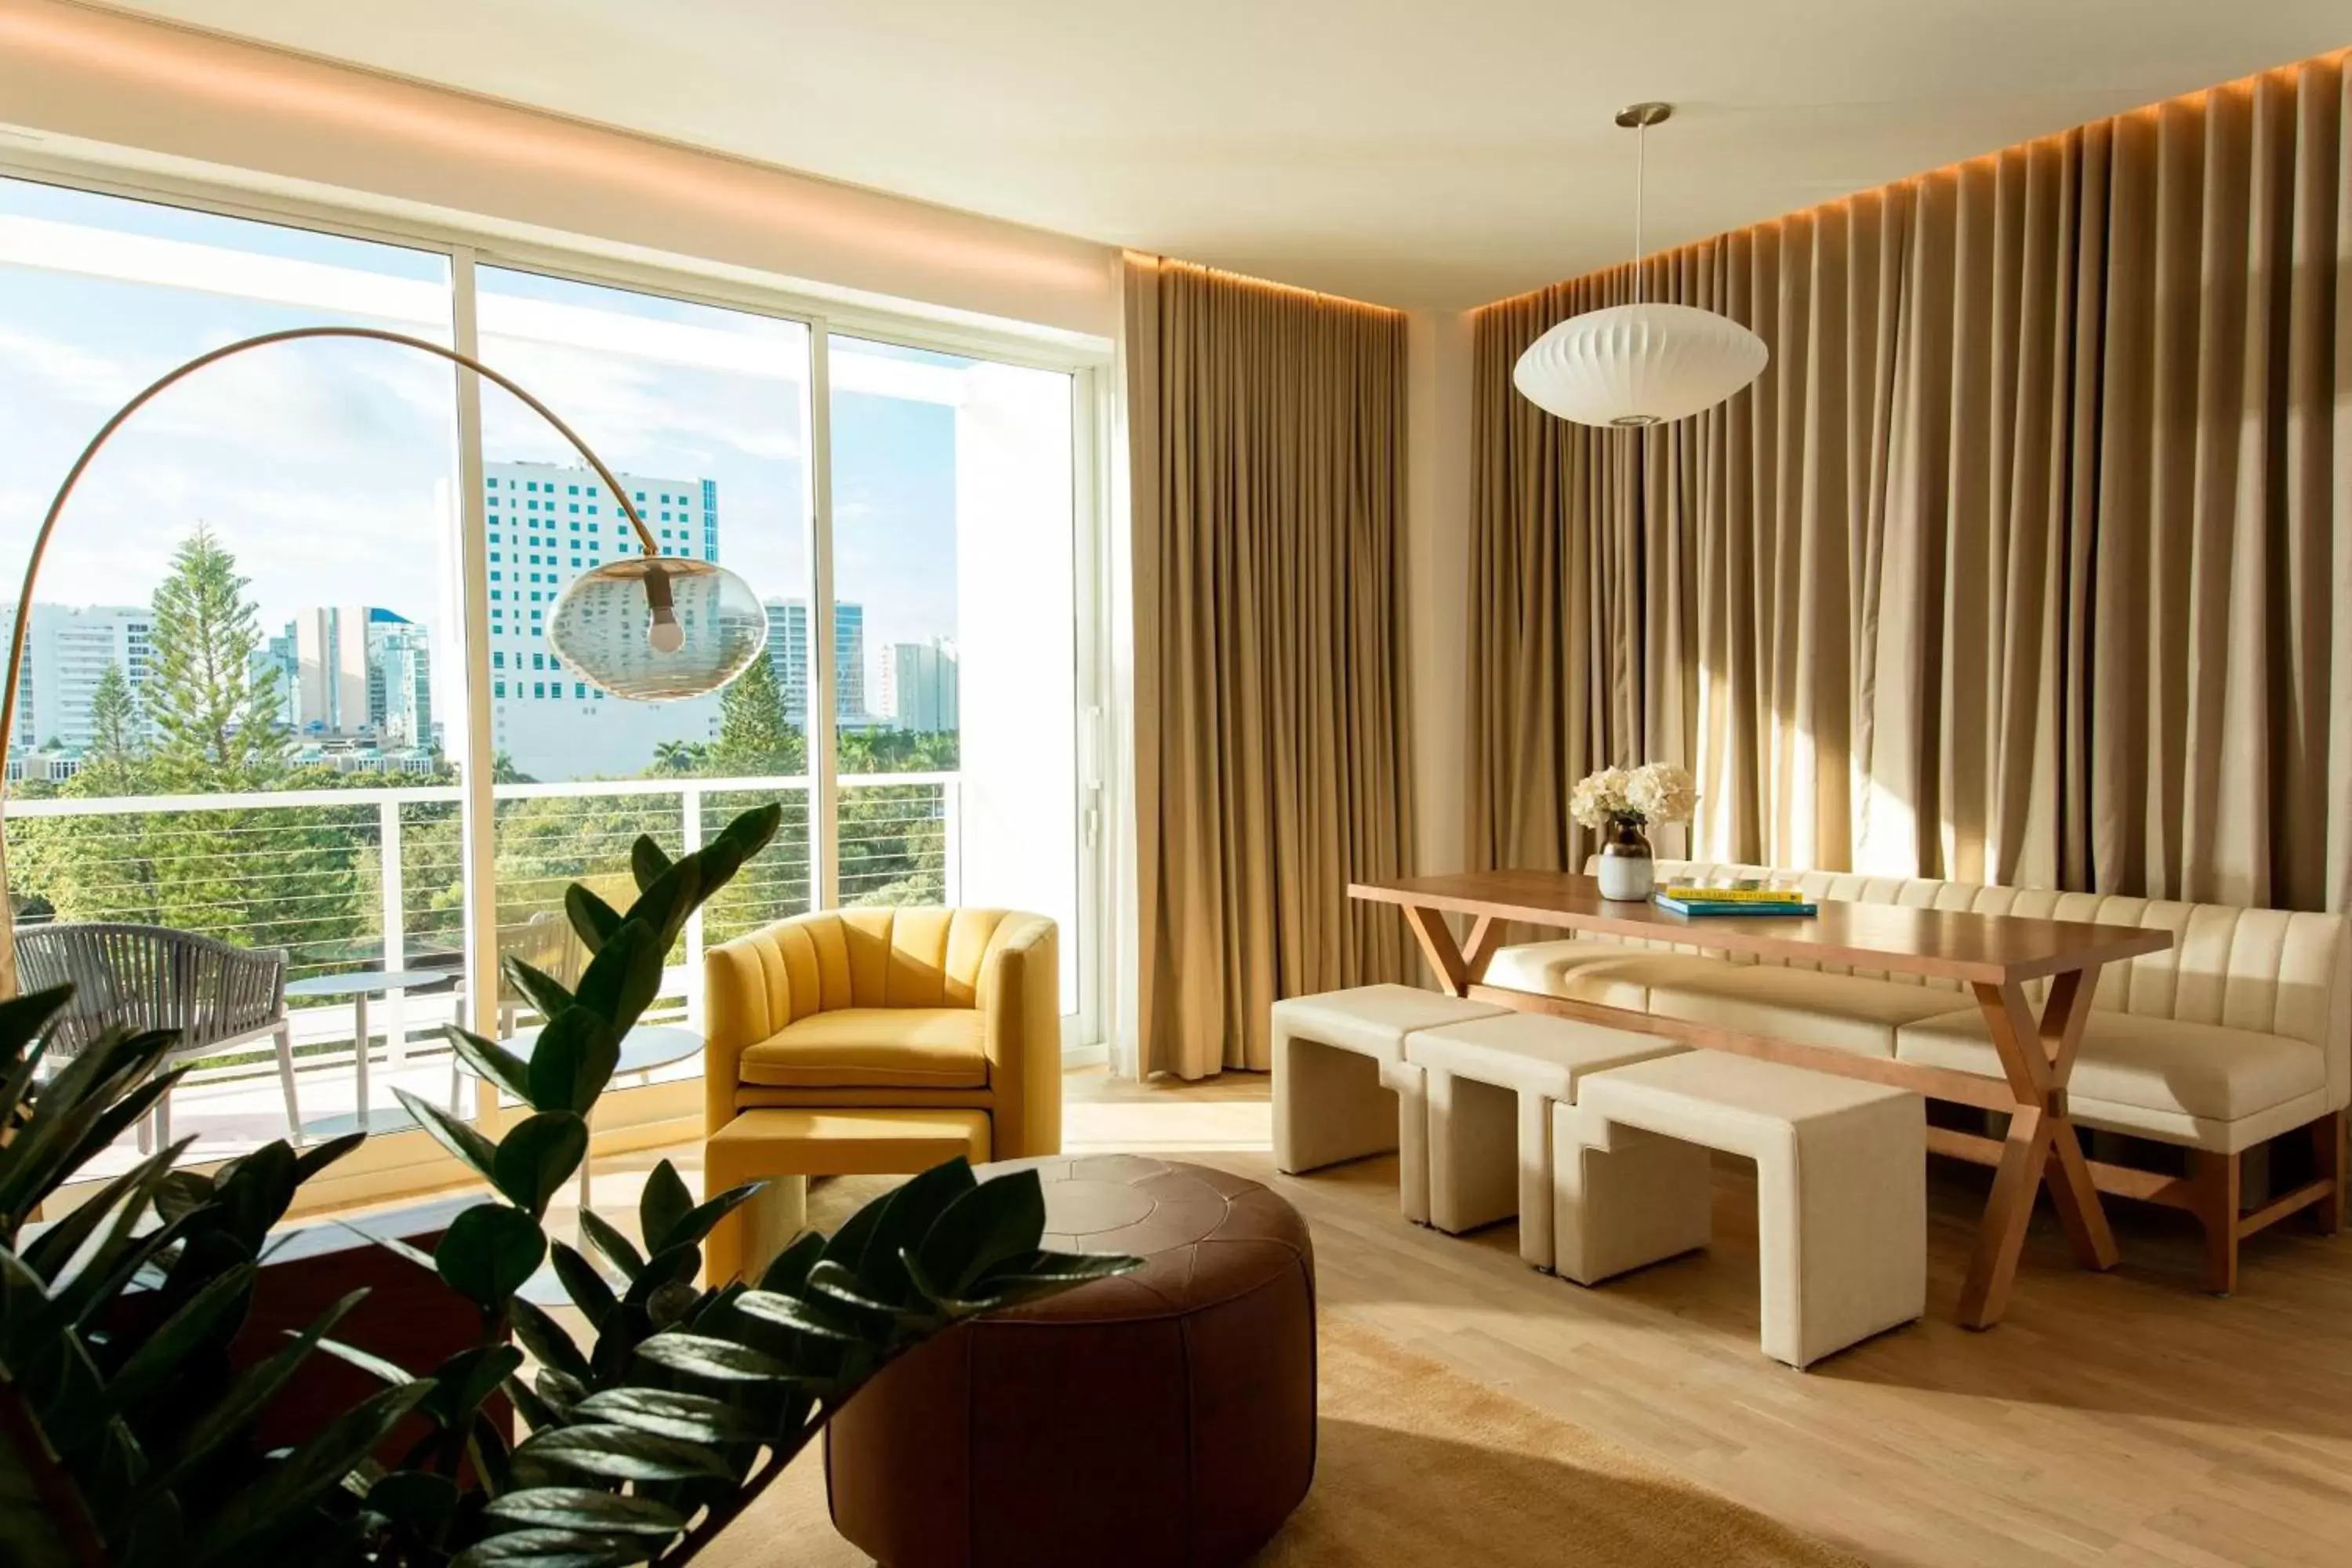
891	1008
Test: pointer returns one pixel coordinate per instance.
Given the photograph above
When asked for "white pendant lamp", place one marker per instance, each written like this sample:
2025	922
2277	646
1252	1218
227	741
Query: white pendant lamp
1631	366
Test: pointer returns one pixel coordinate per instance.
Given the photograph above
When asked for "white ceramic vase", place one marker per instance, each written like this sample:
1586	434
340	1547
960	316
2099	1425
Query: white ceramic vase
1628	869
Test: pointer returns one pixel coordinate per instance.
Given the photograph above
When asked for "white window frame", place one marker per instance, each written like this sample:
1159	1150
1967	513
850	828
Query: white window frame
407	1161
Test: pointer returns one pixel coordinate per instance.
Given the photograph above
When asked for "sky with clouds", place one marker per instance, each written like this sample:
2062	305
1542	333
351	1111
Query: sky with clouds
327	467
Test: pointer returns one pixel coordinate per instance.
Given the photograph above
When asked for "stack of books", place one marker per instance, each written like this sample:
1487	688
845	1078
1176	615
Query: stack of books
1685	899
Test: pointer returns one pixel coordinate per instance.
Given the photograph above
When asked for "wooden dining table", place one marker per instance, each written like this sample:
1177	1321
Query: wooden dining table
1993	956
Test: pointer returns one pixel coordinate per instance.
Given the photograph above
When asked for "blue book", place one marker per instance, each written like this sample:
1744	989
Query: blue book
1729	906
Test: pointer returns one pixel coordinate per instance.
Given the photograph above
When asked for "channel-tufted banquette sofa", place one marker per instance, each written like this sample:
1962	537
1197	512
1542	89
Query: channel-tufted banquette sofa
2238	1034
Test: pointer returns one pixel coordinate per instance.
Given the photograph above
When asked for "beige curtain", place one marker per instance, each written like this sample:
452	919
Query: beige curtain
2026	561
1267	436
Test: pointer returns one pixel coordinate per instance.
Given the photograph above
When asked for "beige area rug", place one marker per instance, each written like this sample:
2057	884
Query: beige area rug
1417	1465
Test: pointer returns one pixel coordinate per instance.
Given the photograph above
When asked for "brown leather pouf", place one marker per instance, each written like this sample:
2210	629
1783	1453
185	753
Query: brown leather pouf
1164	1417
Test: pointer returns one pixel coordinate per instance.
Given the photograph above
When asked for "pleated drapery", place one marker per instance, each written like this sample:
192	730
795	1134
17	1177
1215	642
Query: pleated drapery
1266	436
2029	558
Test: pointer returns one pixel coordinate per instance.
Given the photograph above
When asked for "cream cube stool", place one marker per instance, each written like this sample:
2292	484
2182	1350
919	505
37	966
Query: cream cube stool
1841	1184
786	1148
1343	1089
1490	1085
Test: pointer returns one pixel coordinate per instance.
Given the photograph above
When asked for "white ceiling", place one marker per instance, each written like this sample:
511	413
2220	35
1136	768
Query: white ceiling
1409	152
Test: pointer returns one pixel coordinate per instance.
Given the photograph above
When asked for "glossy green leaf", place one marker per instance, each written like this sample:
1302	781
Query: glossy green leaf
394	1245
618	1249
697	1417
545	1338
625	976
56	1246
489	1251
205	1324
493	1061
789	1269
558	1391
793	1312
573	1060
591	916
465	1379
538	1155
752	831
453	1133
584	1508
383	1369
308	1162
540	989
722	1360
623	1454
252	1391
588	1288
665	1201
669	898
697	1222
911	1213
993	1223
551	1549
646	861
835	1283
307	1473
1045	1274
538	1414
673	1303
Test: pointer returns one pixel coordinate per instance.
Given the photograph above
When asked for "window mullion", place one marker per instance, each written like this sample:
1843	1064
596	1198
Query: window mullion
824	839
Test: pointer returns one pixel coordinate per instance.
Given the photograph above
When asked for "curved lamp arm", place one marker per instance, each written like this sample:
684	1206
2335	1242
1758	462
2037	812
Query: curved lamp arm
147	395
657	586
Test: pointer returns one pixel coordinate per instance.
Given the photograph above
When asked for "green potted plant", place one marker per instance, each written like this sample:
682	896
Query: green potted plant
640	1445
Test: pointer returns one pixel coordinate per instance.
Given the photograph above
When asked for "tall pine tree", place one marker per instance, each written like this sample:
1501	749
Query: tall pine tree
216	717
116	734
755	739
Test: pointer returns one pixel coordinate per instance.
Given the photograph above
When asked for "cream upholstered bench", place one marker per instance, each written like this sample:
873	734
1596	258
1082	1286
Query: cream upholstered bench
1490	1084
1840	1188
2238	1034
1342	1088
786	1148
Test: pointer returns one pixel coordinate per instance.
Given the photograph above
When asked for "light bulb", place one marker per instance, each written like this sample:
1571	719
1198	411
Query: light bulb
659	630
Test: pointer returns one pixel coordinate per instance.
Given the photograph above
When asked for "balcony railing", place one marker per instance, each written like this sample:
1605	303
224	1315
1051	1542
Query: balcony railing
370	878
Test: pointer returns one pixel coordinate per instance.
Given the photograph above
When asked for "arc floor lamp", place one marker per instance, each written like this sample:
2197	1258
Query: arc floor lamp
653	629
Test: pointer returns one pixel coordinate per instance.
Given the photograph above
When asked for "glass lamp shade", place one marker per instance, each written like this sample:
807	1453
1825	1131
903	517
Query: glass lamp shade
607	628
1636	366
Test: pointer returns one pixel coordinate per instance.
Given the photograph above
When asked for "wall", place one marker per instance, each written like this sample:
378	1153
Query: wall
150	96
1437	588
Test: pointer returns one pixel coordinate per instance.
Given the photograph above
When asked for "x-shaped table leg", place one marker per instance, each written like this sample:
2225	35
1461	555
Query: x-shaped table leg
2037	1055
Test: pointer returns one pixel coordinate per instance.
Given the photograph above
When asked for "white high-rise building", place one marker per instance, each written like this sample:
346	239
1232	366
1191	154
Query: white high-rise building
918	686
360	671
68	649
548	523
788	658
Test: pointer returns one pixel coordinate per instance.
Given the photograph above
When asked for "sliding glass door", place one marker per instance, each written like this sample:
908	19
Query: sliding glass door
955	634
379	706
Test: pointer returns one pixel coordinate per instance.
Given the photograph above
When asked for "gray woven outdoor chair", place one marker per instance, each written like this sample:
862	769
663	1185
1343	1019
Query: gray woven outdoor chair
153	977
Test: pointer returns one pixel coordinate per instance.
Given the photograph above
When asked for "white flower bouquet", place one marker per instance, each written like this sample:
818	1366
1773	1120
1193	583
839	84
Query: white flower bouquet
1652	792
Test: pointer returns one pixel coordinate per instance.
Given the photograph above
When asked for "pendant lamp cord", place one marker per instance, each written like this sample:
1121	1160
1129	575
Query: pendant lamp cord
1641	178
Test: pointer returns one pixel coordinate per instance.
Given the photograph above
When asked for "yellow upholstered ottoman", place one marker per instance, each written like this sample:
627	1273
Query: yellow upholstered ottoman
786	1148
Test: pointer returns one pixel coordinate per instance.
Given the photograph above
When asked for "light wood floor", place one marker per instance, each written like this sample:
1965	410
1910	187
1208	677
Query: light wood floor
2120	1418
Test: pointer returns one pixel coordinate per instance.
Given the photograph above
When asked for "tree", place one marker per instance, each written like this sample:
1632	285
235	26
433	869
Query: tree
680	758
114	730
212	710
755	739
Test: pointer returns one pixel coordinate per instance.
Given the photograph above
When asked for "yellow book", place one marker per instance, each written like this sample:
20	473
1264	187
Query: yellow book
1689	892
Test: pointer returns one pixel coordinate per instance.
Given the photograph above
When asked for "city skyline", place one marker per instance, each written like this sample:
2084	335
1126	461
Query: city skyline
329	469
